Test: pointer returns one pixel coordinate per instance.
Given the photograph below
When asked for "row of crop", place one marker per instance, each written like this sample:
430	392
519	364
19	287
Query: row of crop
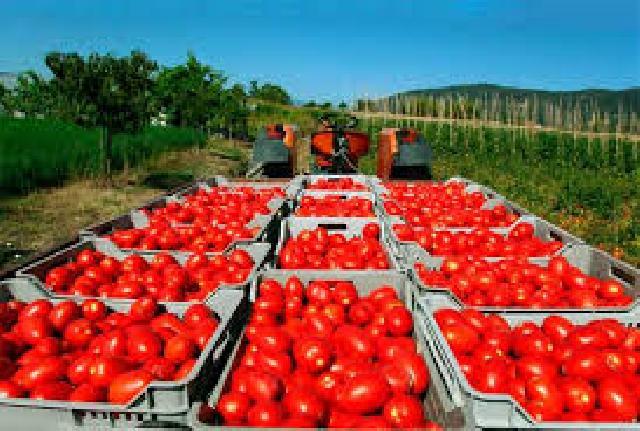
40	153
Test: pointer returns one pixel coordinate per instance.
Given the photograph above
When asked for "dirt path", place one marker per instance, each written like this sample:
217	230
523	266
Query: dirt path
47	217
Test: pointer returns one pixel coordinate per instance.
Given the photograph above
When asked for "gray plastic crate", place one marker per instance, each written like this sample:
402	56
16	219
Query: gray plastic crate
480	411
410	252
591	261
349	227
304	180
165	401
35	273
291	188
265	224
345	195
364	284
396	244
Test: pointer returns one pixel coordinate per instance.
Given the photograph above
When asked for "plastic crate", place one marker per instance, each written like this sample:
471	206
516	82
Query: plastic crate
591	261
303	180
410	252
167	402
265	223
349	227
35	273
345	195
364	284
396	244
480	411
291	188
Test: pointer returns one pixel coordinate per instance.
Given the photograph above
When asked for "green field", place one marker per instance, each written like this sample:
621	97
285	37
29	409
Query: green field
39	153
590	188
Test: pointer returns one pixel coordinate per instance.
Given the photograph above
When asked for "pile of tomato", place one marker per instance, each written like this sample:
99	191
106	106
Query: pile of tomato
217	207
334	206
520	283
557	371
88	353
323	356
343	184
482	242
318	249
92	273
207	221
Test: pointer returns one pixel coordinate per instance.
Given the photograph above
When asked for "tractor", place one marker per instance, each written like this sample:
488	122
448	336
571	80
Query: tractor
274	151
337	147
403	154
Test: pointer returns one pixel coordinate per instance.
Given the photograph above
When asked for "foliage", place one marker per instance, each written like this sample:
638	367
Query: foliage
103	90
269	92
37	153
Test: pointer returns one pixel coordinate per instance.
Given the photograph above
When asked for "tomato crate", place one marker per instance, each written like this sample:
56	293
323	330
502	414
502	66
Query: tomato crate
264	226
345	197
362	182
165	402
390	220
591	261
35	273
364	284
351	227
409	251
469	409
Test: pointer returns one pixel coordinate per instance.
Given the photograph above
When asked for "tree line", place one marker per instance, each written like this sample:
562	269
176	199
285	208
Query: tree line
123	94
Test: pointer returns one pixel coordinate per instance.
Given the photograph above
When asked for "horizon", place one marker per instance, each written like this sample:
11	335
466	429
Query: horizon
383	47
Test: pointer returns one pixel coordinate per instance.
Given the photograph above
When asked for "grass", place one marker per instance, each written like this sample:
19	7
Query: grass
43	218
41	153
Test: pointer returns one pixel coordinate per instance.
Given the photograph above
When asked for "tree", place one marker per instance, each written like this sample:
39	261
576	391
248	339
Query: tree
269	93
191	93
311	104
113	93
342	105
326	105
32	95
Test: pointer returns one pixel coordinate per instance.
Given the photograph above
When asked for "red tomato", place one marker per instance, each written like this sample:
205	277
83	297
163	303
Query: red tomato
43	371
88	394
399	322
302	403
142	344
233	407
312	354
265	414
126	386
93	309
63	313
33	328
161	368
263	386
578	394
55	390
362	394
403	411
615	396
9	389
184	370
102	370
196	314
179	349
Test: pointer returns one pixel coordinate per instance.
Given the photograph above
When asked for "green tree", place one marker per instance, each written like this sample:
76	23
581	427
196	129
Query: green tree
190	93
110	92
311	104
342	105
269	93
33	95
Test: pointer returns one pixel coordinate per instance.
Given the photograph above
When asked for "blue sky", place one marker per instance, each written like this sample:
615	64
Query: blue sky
340	49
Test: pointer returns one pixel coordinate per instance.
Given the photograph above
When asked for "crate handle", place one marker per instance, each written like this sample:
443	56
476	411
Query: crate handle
333	226
623	275
555	235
